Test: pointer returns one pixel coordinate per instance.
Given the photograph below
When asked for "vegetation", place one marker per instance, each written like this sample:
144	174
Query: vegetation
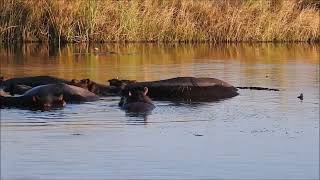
159	20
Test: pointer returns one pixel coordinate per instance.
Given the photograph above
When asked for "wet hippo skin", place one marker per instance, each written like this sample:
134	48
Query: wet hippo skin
71	94
33	102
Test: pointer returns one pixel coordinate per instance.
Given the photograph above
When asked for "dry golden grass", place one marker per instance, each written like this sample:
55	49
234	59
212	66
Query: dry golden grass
159	20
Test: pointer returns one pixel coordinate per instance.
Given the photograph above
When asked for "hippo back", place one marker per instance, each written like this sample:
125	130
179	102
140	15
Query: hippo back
70	93
186	81
33	81
187	89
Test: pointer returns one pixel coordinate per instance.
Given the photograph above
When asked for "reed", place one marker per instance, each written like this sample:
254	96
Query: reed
159	20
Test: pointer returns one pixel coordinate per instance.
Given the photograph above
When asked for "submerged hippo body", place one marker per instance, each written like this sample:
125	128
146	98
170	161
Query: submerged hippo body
71	94
187	89
138	107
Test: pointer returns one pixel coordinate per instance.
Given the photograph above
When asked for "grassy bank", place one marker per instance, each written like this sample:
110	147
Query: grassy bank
159	21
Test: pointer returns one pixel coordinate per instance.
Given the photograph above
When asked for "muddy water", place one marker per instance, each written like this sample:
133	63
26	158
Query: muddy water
257	135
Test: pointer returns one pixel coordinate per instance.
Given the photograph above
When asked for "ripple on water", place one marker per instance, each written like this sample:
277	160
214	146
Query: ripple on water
256	135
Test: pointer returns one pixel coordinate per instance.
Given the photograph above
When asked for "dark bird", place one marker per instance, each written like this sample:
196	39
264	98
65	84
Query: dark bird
300	97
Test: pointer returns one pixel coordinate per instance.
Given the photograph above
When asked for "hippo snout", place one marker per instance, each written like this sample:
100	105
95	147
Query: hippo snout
138	107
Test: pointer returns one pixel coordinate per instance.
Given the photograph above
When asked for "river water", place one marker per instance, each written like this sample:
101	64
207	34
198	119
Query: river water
256	135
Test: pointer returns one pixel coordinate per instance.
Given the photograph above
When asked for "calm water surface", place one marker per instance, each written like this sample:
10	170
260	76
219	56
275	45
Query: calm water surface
256	135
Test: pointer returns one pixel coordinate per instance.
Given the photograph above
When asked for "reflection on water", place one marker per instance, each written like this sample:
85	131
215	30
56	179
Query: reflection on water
148	61
256	135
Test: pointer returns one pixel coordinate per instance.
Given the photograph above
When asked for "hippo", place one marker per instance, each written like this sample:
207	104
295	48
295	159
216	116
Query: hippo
50	95
32	81
33	102
137	101
21	85
71	94
186	89
98	89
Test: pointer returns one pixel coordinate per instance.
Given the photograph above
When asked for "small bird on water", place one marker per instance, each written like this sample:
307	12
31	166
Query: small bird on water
300	97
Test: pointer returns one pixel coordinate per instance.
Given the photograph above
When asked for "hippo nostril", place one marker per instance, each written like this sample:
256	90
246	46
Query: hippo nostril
47	105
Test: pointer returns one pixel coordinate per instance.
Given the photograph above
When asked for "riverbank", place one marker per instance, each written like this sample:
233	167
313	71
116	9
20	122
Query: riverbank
160	21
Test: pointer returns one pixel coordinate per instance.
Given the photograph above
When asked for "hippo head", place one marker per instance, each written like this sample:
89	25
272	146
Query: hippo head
48	101
137	101
83	83
138	92
120	83
135	95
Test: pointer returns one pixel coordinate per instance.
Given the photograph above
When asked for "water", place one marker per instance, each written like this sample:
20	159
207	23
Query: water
256	135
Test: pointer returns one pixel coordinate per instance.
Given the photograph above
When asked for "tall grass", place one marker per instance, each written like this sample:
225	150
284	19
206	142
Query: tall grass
159	20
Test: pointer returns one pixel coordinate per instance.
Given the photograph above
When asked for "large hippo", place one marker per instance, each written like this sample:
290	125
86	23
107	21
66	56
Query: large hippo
186	89
71	94
34	102
137	101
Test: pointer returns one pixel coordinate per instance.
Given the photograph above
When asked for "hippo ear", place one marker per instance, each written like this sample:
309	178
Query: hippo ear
87	81
145	92
130	93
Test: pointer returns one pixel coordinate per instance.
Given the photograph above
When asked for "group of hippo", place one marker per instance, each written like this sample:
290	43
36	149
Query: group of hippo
45	92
